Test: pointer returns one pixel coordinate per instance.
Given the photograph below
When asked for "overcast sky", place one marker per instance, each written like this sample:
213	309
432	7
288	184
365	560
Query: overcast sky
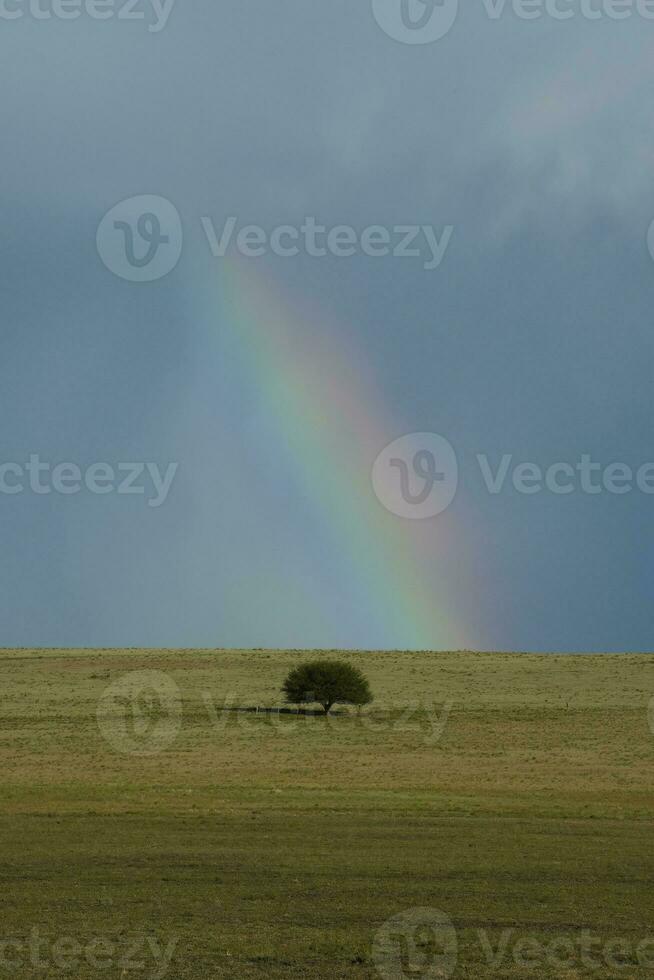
531	140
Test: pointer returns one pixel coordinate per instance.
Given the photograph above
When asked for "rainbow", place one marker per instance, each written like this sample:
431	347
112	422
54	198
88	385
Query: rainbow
331	424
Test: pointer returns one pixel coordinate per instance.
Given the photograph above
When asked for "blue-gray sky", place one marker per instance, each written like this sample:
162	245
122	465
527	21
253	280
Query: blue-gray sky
532	338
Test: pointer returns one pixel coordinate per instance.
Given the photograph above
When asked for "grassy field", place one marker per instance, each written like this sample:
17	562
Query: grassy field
512	794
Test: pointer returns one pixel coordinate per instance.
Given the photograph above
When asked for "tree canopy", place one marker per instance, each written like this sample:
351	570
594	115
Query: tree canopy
327	682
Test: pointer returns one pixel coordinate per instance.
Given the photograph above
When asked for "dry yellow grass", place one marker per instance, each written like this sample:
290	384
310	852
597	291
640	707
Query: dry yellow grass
511	791
517	730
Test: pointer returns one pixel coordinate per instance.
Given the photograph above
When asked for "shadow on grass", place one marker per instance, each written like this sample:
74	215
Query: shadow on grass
264	710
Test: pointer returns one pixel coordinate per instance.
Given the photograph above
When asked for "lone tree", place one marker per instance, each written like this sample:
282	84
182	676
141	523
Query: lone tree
327	682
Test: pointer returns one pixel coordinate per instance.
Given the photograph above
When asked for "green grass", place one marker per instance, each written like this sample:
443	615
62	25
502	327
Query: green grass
509	792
